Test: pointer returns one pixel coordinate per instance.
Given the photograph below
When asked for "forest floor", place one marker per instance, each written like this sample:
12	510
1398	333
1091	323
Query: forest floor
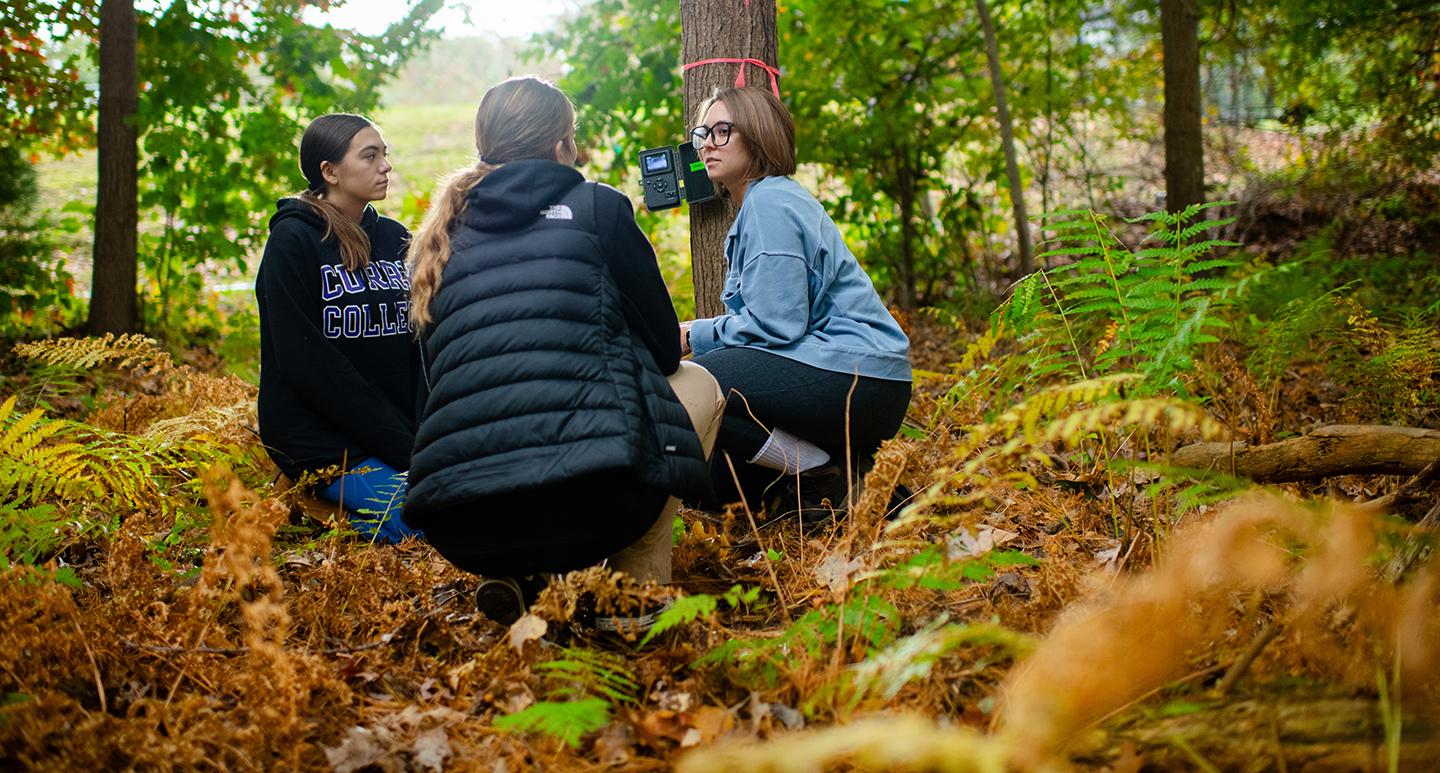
1054	605
1039	626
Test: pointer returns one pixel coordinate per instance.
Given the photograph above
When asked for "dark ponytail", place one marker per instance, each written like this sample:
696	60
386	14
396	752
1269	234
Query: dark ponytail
327	138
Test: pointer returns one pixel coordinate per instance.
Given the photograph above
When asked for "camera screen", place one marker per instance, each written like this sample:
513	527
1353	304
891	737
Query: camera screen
657	163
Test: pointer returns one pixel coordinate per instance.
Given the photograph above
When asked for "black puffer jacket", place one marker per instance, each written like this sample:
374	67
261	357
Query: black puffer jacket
550	339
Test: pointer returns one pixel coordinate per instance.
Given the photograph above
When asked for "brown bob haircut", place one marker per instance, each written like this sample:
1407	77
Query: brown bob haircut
765	123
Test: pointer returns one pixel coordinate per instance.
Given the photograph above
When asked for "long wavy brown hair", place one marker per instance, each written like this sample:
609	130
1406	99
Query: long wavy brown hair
519	119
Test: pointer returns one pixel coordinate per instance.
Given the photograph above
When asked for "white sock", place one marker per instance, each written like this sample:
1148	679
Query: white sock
789	454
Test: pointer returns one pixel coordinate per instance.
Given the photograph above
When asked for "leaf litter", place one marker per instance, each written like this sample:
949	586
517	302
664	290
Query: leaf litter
1037	632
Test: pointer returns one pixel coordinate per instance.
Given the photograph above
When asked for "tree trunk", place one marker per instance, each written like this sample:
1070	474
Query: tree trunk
1007	139
720	29
1184	148
1340	449
113	298
907	199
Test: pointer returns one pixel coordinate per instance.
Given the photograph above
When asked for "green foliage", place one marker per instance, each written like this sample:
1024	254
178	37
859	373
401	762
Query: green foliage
688	609
869	621
589	682
914	102
226	90
1391	370
47	106
1158	304
215	137
1348	65
31	279
60	479
568	721
577	673
912	658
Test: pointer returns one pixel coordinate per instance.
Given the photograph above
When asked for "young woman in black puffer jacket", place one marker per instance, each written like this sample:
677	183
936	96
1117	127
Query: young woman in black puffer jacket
561	425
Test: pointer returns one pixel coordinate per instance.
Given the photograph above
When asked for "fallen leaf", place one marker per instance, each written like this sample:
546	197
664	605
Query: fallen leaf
712	722
527	628
834	572
967	545
1130	761
666	724
431	749
616	744
363	748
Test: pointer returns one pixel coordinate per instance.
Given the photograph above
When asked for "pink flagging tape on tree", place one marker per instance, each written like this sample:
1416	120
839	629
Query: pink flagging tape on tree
740	79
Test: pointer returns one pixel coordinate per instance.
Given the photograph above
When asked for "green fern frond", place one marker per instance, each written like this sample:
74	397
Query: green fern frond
568	721
590	672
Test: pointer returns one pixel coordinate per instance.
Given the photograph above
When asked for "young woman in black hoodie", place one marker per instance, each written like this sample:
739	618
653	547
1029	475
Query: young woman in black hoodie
340	374
561	423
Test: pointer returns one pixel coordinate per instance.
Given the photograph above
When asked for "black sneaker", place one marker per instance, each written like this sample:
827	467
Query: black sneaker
505	599
823	495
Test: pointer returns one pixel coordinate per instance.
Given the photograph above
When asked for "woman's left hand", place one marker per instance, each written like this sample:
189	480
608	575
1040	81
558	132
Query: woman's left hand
685	338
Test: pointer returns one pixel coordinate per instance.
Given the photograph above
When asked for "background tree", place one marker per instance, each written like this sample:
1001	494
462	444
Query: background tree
1007	139
211	138
113	295
46	106
719	29
1184	144
885	119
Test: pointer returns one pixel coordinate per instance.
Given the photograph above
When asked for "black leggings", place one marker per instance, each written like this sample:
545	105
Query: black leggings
765	390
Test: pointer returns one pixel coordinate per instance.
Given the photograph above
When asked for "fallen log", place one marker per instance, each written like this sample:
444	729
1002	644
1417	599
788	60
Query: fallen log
1331	735
1340	449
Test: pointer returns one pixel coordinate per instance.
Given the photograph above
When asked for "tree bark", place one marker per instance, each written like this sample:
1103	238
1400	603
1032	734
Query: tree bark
1026	263
1340	449
720	29
113	298
1184	147
1281	734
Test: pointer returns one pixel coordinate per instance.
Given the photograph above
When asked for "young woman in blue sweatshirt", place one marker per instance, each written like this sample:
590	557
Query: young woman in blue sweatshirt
816	369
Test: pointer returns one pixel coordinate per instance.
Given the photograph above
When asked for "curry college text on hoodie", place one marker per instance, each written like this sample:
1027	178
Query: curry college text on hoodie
340	374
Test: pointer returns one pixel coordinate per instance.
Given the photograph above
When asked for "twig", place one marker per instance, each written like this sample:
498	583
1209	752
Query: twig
1242	663
769	565
94	668
1409	491
246	650
1182	680
1406	555
1190	750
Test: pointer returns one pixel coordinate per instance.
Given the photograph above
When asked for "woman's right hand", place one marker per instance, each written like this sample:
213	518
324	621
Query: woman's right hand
685	338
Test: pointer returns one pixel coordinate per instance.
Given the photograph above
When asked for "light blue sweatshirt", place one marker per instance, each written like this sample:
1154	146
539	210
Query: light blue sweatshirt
794	289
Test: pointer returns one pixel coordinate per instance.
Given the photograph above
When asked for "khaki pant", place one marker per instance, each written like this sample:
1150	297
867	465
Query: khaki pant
648	558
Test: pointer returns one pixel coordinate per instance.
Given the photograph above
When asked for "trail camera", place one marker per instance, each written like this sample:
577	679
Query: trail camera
660	174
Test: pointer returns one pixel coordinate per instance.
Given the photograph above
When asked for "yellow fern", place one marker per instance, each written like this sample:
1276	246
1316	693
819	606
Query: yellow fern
32	468
130	350
1069	414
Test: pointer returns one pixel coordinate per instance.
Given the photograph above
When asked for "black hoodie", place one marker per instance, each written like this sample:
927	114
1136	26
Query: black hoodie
340	369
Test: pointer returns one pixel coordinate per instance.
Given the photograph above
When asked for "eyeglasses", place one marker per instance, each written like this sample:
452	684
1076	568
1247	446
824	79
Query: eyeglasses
718	132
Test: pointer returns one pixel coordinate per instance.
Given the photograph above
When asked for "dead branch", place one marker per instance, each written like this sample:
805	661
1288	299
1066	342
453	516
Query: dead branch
1340	449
